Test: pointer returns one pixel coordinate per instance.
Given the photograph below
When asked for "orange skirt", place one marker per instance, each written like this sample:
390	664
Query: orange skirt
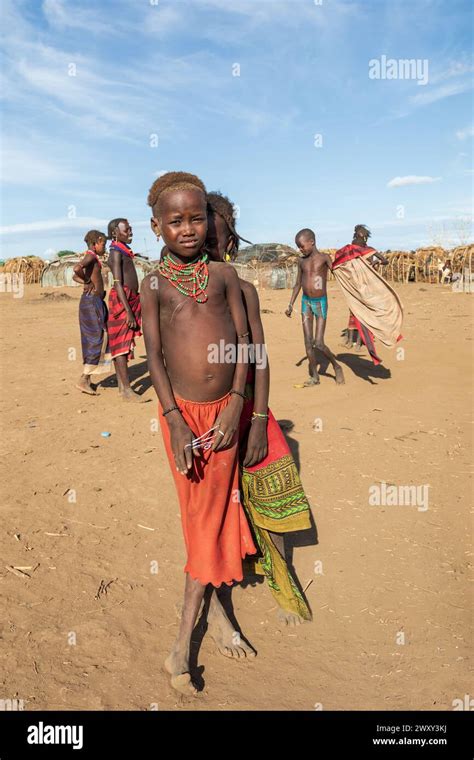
215	528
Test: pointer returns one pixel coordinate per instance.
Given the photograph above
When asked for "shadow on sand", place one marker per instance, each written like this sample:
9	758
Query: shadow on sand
359	365
139	378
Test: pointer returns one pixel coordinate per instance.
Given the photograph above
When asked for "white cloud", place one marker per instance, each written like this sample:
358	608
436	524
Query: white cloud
440	93
72	17
53	225
411	179
56	225
271	9
461	134
454	69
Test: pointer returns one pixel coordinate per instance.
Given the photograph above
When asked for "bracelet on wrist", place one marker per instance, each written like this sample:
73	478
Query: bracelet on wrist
171	409
238	393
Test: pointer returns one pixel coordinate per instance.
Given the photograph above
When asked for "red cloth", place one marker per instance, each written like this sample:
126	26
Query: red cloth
215	528
351	325
350	252
121	336
368	340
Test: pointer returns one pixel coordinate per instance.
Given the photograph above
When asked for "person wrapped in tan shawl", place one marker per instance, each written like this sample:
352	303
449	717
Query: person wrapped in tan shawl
375	307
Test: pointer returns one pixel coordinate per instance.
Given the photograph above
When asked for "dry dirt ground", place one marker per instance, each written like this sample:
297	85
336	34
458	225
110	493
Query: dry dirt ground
89	624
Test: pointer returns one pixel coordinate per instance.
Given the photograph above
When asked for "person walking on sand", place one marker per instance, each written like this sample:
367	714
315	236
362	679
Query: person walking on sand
313	268
124	304
375	308
92	312
375	258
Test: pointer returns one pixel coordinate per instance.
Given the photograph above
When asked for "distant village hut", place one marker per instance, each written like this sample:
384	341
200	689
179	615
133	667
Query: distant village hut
59	272
268	265
30	268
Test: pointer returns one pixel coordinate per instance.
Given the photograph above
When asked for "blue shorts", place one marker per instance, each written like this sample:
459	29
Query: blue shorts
319	306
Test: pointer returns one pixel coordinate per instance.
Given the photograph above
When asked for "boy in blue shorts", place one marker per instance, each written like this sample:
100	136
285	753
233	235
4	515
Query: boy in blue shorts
313	267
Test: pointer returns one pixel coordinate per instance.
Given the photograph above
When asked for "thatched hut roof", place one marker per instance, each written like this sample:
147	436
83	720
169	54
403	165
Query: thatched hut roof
265	253
423	265
30	267
268	265
271	265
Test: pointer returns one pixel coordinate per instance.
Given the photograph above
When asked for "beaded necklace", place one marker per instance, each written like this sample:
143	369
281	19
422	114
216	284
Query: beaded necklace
123	248
93	253
189	279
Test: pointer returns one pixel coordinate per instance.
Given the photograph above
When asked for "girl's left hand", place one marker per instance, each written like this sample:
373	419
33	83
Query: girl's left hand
257	443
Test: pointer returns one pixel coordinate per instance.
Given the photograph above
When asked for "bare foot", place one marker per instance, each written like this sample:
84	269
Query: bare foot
312	381
229	641
84	385
177	667
339	375
290	619
130	395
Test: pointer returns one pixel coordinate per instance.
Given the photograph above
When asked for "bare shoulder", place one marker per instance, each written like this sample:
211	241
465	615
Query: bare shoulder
249	291
328	260
150	283
225	272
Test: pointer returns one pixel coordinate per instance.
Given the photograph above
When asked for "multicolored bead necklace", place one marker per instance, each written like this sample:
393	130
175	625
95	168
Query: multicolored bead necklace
189	279
122	247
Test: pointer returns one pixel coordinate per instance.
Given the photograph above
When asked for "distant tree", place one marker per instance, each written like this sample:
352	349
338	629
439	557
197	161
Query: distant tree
66	253
463	229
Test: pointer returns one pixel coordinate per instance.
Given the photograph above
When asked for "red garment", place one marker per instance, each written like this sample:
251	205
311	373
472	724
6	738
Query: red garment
368	339
350	252
215	528
121	336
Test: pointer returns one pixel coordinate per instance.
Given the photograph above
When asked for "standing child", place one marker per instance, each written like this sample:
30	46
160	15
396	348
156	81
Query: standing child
189	305
92	312
273	496
124	304
313	268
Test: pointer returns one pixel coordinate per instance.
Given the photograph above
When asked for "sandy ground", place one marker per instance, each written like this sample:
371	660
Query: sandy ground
375	572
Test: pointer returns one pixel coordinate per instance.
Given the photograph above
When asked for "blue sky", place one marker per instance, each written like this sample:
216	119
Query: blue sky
86	84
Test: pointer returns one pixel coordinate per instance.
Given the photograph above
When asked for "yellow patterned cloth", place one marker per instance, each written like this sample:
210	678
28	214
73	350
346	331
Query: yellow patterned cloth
275	502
